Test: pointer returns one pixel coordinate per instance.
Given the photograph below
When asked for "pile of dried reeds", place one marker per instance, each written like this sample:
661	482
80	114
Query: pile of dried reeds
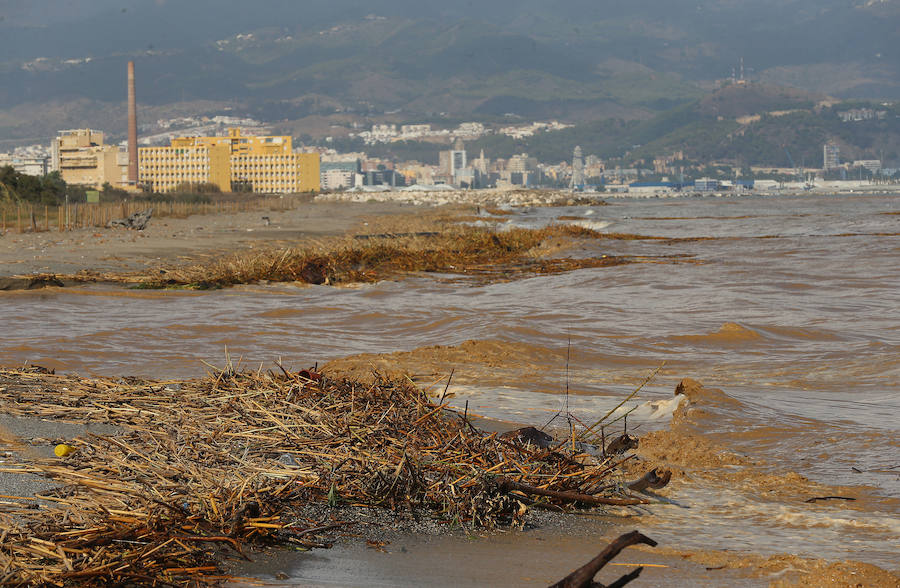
208	465
458	250
463	252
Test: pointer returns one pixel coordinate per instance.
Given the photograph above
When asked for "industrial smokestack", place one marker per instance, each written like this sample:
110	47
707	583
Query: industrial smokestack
132	128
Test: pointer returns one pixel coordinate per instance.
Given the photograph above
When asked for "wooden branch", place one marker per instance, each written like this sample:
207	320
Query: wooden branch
626	578
583	577
507	485
817	498
655	478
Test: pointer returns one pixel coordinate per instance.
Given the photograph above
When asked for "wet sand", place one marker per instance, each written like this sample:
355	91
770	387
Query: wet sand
536	557
408	554
35	439
539	557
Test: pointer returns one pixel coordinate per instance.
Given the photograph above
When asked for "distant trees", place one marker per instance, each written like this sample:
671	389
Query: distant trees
197	188
52	190
110	193
18	187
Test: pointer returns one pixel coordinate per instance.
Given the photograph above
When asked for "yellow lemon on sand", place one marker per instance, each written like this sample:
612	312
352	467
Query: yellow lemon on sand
63	450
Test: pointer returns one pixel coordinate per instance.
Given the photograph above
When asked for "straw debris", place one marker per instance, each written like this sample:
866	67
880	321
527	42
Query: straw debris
459	250
205	467
456	250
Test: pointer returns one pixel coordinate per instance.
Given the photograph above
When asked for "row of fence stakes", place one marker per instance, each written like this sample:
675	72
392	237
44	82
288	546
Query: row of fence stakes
24	217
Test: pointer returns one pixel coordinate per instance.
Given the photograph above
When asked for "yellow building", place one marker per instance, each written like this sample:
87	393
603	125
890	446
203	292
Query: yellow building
164	169
260	164
81	157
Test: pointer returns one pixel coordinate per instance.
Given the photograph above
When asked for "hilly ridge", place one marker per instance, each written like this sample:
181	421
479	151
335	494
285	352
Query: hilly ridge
575	60
741	125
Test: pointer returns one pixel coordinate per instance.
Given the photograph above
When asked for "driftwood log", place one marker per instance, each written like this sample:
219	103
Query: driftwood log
583	577
656	478
621	444
507	485
529	436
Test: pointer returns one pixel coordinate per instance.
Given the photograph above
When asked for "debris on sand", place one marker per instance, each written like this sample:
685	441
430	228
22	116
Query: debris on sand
137	221
34	282
470	251
205	467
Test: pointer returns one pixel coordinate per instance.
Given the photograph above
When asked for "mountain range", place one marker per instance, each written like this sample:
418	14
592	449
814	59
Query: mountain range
62	62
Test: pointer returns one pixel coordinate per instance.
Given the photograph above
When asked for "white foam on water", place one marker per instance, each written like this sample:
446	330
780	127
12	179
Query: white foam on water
652	410
590	224
713	512
878	522
536	408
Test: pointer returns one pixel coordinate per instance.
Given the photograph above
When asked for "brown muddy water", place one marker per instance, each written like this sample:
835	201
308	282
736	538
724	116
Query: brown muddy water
791	307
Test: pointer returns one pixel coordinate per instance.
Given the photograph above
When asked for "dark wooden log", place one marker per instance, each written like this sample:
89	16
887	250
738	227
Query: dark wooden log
655	479
621	444
583	577
817	498
529	436
507	485
632	575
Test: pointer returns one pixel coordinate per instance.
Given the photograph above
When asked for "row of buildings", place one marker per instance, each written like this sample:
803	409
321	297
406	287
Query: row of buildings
81	157
234	162
831	158
391	133
237	161
454	169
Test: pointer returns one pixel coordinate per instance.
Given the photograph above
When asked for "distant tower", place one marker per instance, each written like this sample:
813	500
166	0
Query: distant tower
132	128
457	161
482	163
577	169
831	156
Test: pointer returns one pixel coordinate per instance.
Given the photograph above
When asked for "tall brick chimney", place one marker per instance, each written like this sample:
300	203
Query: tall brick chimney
132	128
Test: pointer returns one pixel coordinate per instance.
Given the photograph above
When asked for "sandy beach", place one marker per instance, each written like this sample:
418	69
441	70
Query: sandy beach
305	222
168	241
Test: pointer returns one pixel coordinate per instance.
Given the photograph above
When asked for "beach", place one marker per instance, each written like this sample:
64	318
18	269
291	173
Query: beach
170	240
782	308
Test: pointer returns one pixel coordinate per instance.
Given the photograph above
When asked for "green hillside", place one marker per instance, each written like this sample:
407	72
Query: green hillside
773	122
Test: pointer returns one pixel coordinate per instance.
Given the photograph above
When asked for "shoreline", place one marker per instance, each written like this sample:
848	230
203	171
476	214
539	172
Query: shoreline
392	551
258	458
771	567
170	241
352	243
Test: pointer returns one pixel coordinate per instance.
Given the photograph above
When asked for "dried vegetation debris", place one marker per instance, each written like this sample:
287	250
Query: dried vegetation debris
455	250
214	464
473	252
